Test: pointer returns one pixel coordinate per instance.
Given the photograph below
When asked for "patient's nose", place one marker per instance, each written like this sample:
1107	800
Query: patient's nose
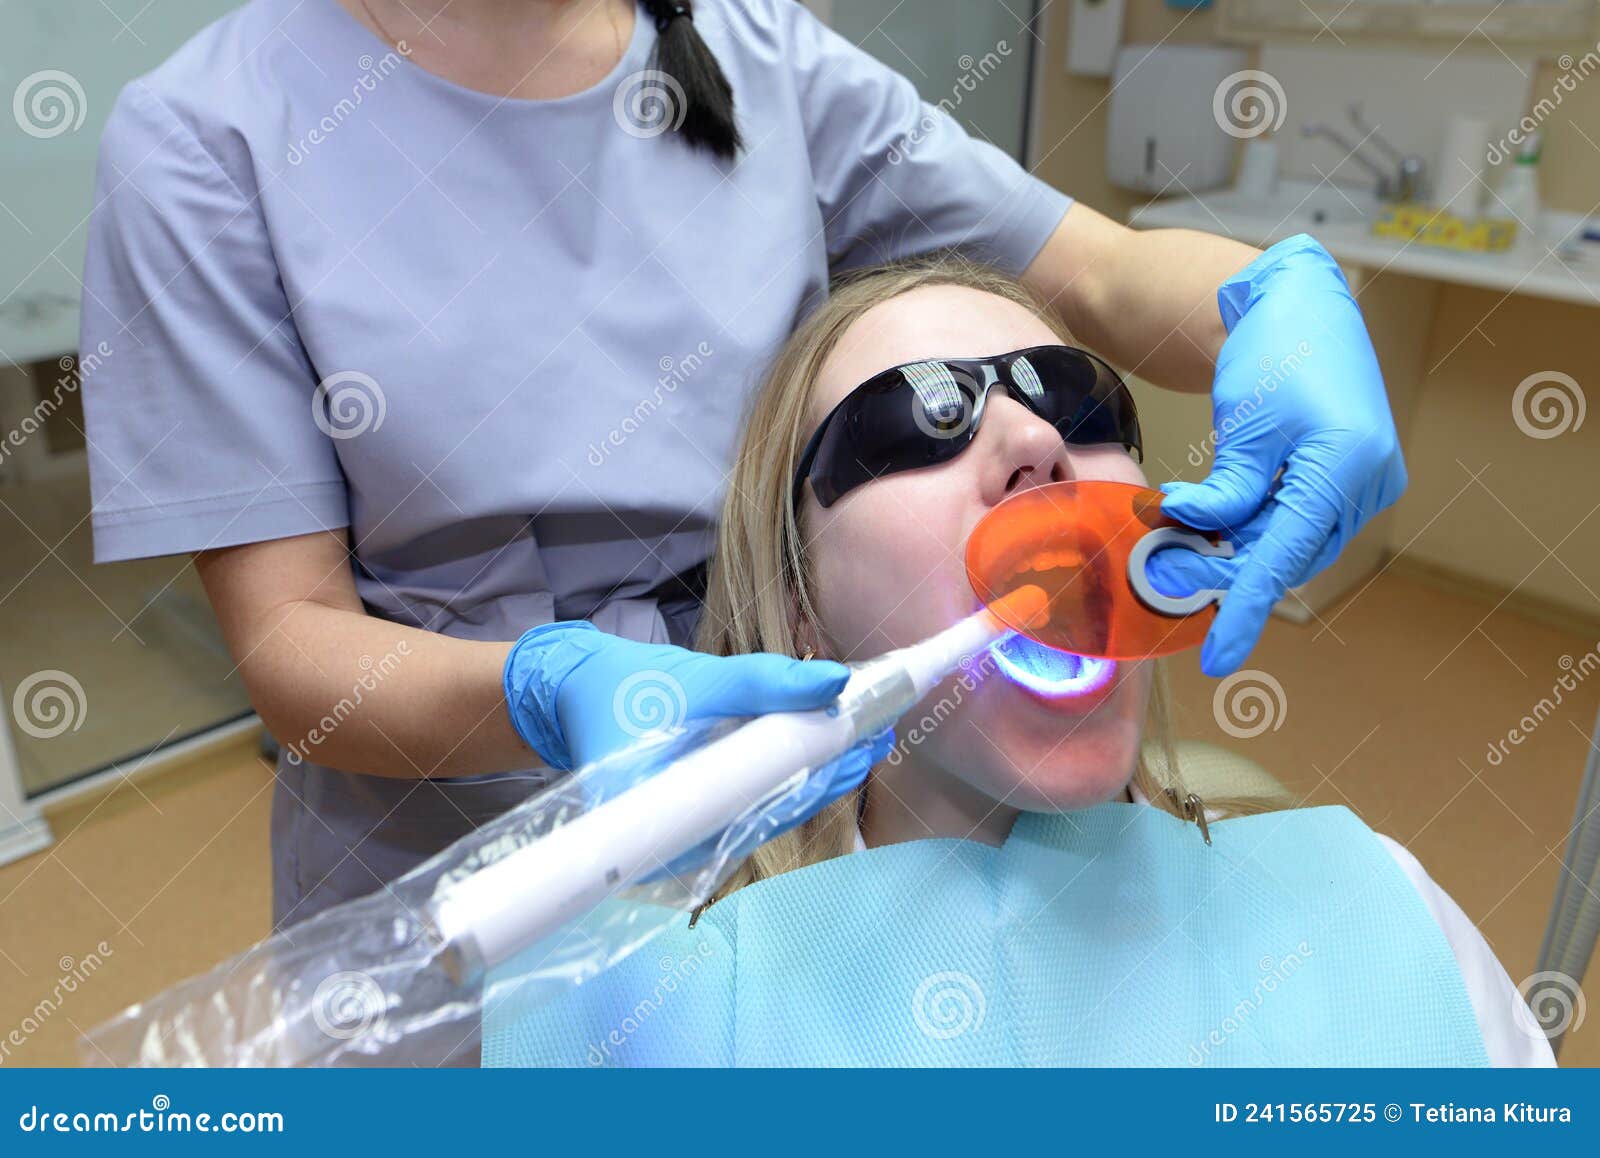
1023	449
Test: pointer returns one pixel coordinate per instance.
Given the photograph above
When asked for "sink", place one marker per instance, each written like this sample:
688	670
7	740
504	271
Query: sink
1308	204
1341	218
1294	207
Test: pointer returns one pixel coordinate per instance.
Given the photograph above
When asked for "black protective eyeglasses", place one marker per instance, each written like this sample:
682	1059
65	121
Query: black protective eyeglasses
926	413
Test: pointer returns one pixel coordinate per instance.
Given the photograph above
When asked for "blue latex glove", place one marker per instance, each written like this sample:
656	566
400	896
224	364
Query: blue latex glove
1297	387
577	694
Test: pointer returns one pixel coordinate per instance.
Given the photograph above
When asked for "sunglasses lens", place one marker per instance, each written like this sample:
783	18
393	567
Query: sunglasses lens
1078	395
905	419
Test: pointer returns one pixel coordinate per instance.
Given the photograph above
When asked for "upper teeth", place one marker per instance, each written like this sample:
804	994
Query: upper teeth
1041	562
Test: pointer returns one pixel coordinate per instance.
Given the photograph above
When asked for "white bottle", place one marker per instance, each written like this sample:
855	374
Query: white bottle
1519	192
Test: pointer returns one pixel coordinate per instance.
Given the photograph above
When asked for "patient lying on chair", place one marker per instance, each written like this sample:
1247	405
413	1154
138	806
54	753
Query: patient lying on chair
1029	878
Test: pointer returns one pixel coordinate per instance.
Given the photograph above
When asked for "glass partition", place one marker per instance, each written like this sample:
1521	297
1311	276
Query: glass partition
98	665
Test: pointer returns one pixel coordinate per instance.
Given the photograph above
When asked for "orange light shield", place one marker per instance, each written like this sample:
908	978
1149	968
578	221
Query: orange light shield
1085	544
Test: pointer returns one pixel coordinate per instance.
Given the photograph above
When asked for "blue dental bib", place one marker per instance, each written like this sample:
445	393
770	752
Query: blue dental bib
1110	936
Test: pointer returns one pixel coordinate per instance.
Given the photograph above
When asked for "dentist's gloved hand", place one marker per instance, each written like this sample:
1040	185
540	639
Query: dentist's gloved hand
1297	387
577	694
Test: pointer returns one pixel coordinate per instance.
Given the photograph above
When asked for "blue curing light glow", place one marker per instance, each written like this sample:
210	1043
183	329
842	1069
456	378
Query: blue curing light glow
1049	672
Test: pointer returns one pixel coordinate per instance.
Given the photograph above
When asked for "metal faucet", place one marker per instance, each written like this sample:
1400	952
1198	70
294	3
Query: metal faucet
1405	176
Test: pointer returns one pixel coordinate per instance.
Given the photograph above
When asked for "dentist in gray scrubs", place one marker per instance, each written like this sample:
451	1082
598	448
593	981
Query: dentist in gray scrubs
431	323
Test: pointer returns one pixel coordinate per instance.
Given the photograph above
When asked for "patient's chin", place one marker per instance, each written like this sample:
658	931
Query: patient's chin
1041	761
1067	781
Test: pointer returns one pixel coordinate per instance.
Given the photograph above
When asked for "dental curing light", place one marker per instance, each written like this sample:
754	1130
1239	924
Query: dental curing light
487	918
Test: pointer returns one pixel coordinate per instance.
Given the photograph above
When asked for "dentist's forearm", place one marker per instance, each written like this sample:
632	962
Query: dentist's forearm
337	686
1146	300
358	693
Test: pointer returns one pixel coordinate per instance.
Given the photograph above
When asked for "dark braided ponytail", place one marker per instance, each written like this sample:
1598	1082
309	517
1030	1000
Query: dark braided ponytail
706	119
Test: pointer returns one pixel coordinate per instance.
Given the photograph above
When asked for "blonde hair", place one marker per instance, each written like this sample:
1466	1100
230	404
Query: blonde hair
758	588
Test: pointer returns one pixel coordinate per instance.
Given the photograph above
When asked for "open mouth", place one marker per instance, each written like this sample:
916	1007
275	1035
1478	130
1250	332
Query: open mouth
1045	671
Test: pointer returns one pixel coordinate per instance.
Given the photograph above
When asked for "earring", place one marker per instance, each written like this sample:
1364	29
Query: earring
1192	808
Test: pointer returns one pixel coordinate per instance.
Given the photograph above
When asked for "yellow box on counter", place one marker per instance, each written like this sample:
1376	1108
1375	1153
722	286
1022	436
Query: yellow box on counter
1429	226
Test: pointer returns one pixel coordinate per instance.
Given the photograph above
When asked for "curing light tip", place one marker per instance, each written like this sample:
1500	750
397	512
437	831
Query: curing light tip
1047	671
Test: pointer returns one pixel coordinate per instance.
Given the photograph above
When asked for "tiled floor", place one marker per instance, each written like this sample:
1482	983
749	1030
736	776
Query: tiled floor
1390	710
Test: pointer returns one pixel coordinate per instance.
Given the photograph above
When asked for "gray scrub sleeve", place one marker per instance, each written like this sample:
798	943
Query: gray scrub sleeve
896	175
199	406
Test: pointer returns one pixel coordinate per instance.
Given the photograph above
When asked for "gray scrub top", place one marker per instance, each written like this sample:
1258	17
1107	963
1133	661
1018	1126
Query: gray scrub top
507	343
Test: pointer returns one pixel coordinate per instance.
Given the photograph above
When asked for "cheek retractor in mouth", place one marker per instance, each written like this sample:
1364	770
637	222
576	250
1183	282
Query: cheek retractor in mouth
1084	544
